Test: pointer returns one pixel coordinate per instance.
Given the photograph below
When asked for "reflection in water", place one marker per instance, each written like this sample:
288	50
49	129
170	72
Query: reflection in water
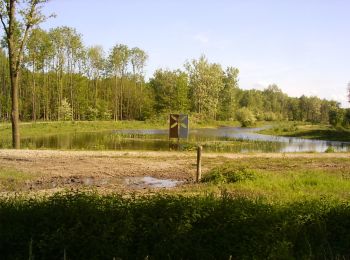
225	139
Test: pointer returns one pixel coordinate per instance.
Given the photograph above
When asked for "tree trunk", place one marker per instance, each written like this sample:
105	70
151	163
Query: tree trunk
15	113
121	98
96	91
116	99
33	95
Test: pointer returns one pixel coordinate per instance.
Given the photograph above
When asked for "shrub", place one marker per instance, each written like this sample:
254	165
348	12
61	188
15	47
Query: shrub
65	111
245	117
270	116
228	174
90	226
92	114
330	149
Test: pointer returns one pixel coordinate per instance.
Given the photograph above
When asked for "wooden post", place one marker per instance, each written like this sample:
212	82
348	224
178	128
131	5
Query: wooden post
199	163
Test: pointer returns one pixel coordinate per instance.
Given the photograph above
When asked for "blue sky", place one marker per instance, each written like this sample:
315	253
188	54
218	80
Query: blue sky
303	46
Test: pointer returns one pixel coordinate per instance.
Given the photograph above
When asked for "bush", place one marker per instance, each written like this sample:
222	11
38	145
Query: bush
65	111
90	226
330	149
92	114
228	174
245	117
270	116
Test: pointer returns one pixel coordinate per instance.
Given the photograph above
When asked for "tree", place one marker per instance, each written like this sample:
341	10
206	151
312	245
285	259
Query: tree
336	116
5	96
36	52
18	21
138	60
206	83
170	90
228	102
96	63
119	60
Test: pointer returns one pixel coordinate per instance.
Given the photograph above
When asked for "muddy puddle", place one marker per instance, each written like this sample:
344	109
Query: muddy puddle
150	182
113	183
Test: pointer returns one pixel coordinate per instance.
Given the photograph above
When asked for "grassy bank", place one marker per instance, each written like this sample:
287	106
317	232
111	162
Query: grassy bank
308	131
277	180
64	127
32	129
89	226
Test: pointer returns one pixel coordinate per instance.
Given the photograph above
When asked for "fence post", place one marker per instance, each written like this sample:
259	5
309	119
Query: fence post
199	163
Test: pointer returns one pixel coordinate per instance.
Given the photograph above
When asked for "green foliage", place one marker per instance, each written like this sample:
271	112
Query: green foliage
229	174
330	149
270	116
304	130
346	118
171	91
58	65
336	116
65	111
206	81
245	117
92	114
228	96
89	226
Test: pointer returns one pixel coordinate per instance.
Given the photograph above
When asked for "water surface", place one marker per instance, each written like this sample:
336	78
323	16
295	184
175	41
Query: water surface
224	139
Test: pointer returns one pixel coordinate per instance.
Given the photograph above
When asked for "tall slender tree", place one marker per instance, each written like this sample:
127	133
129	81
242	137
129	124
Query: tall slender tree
17	21
138	60
96	63
119	60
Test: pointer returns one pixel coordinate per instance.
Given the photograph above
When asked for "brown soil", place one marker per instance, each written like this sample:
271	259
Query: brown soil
108	170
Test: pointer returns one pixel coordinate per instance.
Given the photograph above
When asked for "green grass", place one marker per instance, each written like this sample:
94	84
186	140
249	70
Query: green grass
309	131
14	180
278	180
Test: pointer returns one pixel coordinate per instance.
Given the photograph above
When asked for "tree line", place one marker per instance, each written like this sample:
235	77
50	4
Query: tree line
61	79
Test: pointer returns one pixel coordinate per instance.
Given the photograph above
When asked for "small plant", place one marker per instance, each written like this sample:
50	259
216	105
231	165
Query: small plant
228	174
330	149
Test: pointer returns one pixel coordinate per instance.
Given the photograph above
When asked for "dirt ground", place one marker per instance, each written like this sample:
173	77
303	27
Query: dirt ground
50	170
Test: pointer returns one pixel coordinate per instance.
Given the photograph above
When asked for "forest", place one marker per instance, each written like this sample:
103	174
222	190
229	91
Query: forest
61	79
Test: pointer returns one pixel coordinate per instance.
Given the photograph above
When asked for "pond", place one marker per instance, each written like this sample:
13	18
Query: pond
223	139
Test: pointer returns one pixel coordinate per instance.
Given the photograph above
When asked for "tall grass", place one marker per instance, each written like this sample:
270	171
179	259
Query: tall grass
281	180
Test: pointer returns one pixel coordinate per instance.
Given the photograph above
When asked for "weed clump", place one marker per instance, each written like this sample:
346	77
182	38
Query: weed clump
330	149
229	174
